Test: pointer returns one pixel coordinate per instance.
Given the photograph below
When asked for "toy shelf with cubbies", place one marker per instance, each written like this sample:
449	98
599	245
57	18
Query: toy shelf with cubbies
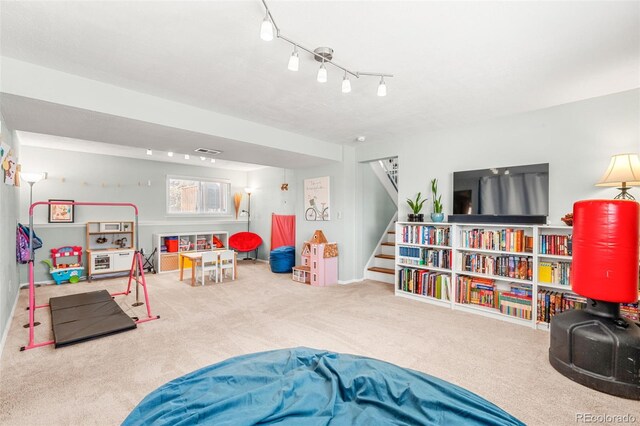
170	245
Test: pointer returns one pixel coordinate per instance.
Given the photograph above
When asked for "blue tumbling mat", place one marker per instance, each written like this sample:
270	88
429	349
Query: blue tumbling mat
305	386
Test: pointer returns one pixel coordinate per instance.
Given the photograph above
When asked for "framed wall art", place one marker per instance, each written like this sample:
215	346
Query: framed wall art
316	199
61	212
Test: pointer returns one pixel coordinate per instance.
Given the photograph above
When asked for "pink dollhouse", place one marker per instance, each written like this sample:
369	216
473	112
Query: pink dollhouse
319	262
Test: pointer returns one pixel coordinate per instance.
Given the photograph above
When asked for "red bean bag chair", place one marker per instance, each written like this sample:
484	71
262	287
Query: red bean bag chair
244	242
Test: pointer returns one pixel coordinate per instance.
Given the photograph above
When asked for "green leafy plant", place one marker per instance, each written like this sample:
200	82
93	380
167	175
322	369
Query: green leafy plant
416	205
437	199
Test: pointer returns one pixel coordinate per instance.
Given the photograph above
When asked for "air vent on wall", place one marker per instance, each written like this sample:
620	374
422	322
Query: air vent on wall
208	151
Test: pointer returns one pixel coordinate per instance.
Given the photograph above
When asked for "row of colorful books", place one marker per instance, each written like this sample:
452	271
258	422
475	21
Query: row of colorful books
425	234
555	272
515	302
513	240
630	311
551	303
555	244
420	256
519	267
425	283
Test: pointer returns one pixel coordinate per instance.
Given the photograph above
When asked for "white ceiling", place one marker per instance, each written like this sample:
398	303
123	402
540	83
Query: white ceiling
454	62
79	145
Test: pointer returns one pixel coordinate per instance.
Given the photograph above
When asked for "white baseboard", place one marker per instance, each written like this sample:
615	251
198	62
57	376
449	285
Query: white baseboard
5	334
356	280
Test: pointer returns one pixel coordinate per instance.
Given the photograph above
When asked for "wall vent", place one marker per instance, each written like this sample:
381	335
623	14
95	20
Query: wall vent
208	151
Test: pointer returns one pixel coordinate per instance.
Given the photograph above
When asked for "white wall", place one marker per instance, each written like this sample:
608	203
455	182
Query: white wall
9	197
102	178
267	198
576	139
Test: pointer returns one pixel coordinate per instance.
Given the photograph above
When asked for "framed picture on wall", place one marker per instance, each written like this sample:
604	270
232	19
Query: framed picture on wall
61	211
316	199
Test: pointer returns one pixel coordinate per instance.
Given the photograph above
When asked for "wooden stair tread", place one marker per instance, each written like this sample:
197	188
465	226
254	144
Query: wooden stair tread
382	270
385	256
388	243
391	232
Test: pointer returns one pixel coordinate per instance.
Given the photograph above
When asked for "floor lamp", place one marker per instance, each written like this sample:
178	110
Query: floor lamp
248	190
32	178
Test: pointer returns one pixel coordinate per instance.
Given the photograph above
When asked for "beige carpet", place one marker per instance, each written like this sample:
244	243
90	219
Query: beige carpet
99	382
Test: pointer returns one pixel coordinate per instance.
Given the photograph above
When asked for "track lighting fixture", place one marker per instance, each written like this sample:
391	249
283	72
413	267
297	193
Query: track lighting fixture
266	30
213	160
186	156
322	74
294	60
382	88
203	158
320	54
149	152
170	154
346	84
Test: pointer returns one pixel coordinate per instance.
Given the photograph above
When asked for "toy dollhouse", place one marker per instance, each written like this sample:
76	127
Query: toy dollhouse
319	262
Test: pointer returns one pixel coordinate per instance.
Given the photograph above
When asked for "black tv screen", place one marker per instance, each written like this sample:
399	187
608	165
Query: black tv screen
502	191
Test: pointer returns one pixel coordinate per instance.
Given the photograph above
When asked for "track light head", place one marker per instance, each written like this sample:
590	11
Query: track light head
382	88
266	30
294	60
322	74
346	84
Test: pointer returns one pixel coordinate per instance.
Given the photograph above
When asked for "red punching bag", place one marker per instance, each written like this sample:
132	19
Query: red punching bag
605	250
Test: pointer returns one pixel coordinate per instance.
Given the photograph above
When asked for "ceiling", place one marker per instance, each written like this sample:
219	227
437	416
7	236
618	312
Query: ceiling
454	63
73	129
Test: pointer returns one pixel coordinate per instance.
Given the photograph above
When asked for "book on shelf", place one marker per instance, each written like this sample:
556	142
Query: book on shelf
514	240
509	266
560	245
425	234
421	256
425	283
550	303
630	311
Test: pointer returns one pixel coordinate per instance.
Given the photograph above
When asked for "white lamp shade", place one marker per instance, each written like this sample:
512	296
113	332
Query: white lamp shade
294	62
622	168
322	74
33	177
382	89
266	30
346	85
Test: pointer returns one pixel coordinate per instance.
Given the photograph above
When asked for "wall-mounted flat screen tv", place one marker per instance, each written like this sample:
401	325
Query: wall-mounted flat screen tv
503	192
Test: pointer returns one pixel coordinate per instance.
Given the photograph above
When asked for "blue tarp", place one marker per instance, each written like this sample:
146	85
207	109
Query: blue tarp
305	386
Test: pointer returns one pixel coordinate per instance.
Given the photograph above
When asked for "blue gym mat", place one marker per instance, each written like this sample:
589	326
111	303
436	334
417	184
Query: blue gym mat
305	386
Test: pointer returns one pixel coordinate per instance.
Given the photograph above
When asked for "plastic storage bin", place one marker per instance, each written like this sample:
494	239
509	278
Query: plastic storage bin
172	244
282	259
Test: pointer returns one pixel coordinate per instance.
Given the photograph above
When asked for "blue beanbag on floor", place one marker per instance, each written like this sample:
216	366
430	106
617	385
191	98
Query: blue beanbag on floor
282	259
305	386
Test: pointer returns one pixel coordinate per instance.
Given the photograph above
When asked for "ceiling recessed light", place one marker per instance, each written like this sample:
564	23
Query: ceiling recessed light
186	156
170	154
149	152
208	151
203	158
361	138
213	160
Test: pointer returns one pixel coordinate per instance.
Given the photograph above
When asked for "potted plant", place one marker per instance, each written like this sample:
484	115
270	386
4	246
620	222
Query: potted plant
416	207
437	215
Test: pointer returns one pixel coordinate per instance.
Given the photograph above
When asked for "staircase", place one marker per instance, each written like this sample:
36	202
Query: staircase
381	265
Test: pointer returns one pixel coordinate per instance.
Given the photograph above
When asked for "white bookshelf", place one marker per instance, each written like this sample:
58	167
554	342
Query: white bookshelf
458	246
188	242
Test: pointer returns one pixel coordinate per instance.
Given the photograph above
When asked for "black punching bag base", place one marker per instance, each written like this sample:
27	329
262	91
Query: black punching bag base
596	352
